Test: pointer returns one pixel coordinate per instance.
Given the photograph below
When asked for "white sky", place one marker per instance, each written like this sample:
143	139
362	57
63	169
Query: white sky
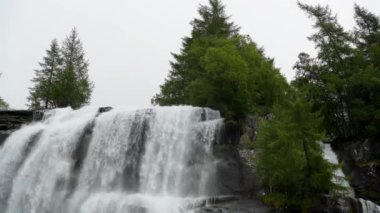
128	42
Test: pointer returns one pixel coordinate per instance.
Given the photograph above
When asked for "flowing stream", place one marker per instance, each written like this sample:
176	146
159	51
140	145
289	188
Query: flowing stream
155	160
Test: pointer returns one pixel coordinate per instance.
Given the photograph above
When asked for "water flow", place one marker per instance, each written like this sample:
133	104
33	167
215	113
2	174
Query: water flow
339	177
367	206
126	160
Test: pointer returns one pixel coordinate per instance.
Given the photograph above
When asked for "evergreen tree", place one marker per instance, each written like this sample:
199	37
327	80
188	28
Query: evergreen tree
3	105
343	80
368	35
219	68
325	77
63	78
72	87
289	156
365	82
213	22
41	93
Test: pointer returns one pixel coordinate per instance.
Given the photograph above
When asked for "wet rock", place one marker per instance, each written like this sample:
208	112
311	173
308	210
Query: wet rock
3	136
331	204
361	165
234	174
13	119
237	206
104	109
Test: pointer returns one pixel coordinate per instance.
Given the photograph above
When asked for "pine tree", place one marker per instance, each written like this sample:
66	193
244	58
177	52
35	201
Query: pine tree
289	156
41	93
72	87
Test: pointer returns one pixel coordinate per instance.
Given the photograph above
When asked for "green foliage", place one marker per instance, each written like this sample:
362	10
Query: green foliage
343	80
3	104
289	157
73	87
63	78
41	93
221	69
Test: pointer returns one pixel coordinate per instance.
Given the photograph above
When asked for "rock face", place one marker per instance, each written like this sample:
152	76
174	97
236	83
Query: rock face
236	176
361	164
237	206
11	120
330	204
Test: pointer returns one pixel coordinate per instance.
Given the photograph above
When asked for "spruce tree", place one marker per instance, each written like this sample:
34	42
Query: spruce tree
72	87
41	94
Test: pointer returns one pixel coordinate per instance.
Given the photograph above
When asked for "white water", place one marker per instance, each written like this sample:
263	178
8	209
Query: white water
152	160
367	206
339	177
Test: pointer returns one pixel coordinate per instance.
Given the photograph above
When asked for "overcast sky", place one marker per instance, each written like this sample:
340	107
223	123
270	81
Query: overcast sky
128	42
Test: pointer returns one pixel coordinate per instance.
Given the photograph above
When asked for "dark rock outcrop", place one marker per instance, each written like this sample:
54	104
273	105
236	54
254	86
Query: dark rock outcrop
11	120
235	174
236	206
331	204
226	204
361	164
104	109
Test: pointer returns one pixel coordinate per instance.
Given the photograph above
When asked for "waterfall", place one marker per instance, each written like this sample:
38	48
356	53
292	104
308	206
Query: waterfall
157	160
369	206
366	206
339	177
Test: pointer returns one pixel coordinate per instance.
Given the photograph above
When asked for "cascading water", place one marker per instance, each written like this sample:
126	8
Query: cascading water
339	177
366	205
126	160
